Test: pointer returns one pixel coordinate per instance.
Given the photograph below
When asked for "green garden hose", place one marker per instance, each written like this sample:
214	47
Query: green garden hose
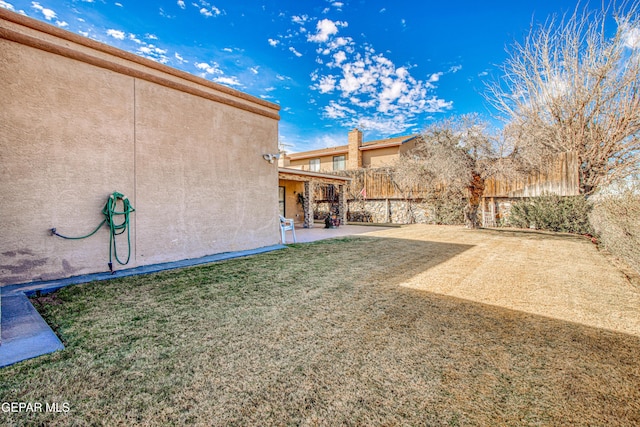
110	214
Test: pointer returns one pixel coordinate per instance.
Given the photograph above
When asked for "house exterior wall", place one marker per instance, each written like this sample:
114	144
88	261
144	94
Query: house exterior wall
292	209
81	120
326	163
380	157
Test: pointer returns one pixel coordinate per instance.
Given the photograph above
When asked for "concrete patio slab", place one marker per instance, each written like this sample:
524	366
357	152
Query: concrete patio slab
318	232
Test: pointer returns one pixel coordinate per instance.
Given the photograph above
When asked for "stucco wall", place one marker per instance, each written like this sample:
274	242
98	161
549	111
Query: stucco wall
326	163
80	120
292	209
380	157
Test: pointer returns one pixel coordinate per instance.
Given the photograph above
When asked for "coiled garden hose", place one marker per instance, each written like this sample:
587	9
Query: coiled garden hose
110	214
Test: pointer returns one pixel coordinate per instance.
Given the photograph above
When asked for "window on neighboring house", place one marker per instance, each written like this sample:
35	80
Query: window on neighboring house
338	163
314	165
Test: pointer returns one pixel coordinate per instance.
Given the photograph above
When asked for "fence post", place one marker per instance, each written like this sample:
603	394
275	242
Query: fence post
342	204
308	204
386	211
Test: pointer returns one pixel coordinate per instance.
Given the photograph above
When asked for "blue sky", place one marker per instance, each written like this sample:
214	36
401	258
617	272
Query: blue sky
386	67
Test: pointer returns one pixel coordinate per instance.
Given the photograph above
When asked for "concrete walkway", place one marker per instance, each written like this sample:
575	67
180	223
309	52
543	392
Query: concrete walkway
26	335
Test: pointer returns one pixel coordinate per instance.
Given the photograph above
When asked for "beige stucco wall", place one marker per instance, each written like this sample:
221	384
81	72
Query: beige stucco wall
80	120
292	209
380	157
326	163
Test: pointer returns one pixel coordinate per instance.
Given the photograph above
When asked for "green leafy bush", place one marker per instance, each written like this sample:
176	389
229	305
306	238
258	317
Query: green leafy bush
569	214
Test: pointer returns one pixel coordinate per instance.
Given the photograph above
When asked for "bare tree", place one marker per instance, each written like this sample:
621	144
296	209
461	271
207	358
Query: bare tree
452	159
573	85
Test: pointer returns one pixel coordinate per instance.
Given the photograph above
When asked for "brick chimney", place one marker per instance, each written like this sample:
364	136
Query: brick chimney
355	155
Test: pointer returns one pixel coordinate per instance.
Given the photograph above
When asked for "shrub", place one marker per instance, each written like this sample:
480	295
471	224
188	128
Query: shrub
449	210
616	221
568	214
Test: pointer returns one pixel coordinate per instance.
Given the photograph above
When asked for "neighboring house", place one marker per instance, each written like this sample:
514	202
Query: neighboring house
80	120
356	154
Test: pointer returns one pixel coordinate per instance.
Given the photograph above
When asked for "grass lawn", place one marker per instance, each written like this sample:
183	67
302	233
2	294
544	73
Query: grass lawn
350	331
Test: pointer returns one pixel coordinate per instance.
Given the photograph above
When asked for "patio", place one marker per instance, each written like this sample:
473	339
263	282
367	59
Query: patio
318	232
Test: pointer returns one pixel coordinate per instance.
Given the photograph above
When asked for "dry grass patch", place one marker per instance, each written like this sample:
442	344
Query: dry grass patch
328	333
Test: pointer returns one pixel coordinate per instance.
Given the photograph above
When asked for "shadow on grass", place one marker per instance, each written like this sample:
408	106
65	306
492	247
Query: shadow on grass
319	334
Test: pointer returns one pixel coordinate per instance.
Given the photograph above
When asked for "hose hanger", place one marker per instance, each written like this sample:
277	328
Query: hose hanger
110	213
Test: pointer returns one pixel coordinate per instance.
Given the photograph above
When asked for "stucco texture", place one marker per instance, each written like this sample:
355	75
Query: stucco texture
81	120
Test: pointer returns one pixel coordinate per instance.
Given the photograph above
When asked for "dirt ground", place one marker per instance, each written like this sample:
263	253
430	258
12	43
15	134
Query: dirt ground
560	276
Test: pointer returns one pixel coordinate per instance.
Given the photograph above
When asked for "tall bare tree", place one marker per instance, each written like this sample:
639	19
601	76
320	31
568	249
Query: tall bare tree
452	159
573	84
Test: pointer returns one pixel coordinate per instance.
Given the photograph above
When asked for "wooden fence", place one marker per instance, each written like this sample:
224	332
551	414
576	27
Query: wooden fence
561	177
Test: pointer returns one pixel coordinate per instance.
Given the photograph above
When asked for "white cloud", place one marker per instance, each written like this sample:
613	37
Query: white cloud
181	4
208	68
47	13
327	84
339	57
455	68
62	24
207	9
273	42
337	111
153	52
229	81
6	5
383	125
329	141
325	28
254	70
116	34
179	58
632	38
300	20
435	77
295	52
372	82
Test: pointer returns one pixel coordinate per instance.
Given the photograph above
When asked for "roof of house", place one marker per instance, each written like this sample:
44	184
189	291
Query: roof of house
344	149
300	175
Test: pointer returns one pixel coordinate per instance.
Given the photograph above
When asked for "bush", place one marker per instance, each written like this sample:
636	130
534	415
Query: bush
568	214
616	221
449	210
